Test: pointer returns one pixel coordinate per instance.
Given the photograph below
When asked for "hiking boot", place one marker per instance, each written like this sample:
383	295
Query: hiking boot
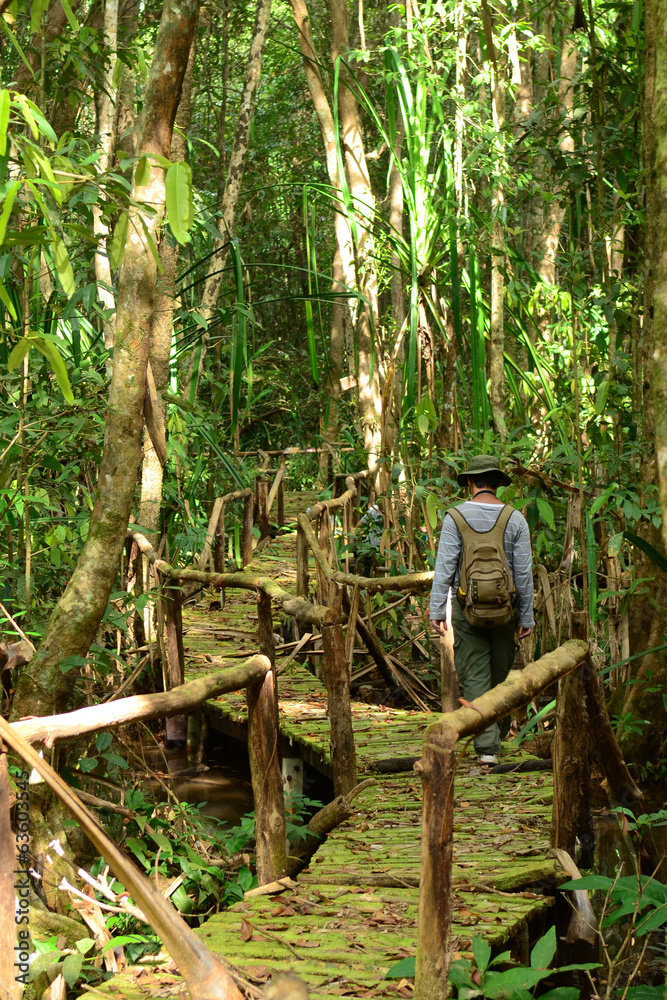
488	758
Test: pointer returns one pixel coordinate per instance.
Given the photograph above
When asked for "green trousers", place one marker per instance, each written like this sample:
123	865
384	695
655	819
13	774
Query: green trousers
483	658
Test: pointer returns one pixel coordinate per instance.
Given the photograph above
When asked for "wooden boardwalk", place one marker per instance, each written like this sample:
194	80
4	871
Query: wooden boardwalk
353	914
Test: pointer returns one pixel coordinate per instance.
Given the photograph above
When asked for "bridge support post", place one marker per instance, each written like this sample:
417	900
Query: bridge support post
337	680
571	818
437	769
248	518
301	563
262	508
265	772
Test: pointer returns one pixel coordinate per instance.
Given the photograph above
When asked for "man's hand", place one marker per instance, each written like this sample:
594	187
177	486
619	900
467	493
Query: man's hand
522	631
440	627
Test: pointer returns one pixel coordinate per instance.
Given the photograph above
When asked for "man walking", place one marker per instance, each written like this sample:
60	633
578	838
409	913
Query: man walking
483	653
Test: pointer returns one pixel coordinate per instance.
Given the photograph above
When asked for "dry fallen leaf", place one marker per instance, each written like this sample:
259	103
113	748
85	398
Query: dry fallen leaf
247	930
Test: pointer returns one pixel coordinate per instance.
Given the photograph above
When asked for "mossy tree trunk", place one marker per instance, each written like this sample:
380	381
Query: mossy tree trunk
43	687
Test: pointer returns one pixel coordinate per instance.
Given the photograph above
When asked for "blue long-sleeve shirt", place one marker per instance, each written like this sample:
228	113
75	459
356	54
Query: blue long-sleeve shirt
482	517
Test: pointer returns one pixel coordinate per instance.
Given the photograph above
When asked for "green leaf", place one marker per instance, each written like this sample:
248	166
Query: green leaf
405	969
178	196
73	23
7	302
28	115
656	557
63	267
87	764
601	397
103	741
84	945
602	499
54	357
7	206
432	509
38	8
546	511
614	544
481	949
161	841
181	900
498	983
423	424
142	173
72	964
119	942
588	882
646	993
542	954
18	352
42	963
5	105
117	248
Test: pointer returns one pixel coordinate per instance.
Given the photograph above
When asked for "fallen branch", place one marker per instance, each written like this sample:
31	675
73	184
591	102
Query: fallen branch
322	823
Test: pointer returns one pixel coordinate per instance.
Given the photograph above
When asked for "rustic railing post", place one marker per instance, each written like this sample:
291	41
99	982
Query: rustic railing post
262	508
571	818
281	492
265	771
337	680
219	543
248	518
301	563
437	769
176	726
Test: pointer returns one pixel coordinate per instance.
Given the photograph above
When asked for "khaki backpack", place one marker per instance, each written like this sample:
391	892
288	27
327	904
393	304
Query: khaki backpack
485	583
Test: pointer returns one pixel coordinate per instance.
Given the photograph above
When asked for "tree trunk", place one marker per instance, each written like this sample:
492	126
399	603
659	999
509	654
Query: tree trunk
105	105
163	322
43	687
370	401
227	221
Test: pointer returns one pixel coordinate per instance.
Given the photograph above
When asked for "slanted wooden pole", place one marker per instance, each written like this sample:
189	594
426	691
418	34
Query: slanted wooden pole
337	680
449	682
265	770
13	901
262	508
248	518
301	563
177	725
571	818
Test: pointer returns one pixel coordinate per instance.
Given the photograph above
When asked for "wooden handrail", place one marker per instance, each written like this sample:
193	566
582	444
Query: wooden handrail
144	706
437	768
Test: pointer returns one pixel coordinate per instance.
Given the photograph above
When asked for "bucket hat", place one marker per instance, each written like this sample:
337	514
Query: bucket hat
479	465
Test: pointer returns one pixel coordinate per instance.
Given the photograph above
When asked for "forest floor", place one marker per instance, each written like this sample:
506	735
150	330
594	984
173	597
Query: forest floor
353	913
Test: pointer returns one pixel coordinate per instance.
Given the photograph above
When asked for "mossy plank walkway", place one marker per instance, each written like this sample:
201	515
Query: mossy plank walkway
353	914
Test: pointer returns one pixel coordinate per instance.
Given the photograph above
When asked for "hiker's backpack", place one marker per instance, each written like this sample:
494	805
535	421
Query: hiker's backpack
485	582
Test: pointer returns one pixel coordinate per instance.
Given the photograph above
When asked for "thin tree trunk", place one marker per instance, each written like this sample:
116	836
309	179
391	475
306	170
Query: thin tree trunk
105	101
370	399
497	346
555	214
227	221
43	687
163	321
343	264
